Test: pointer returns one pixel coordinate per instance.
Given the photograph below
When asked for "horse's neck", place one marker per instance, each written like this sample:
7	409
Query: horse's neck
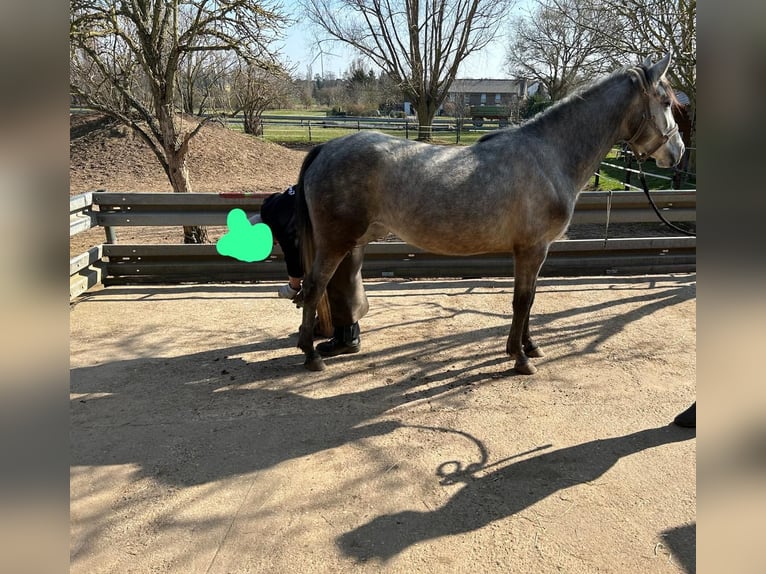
584	128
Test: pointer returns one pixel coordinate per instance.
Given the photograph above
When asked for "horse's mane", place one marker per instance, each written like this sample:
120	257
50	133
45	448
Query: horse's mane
562	107
602	83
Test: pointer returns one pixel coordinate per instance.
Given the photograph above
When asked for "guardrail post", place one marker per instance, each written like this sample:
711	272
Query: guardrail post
109	231
111	235
309	131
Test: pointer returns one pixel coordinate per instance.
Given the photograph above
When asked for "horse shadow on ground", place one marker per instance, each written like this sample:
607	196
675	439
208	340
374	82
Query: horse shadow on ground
254	413
508	491
211	415
515	487
682	544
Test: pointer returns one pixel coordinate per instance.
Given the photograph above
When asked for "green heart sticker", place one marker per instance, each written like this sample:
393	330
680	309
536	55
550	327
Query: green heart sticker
243	241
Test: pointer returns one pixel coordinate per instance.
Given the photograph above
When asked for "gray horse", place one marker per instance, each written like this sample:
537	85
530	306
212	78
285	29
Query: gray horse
513	191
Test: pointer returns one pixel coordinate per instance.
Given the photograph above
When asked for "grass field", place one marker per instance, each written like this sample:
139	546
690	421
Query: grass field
291	127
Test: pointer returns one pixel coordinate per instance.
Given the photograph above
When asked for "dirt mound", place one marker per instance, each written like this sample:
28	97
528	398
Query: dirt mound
106	155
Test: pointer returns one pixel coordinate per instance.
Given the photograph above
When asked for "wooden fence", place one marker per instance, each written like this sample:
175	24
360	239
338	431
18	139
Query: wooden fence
112	263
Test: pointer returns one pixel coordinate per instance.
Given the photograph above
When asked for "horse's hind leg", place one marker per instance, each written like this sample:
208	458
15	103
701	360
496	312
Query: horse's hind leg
314	286
345	290
527	263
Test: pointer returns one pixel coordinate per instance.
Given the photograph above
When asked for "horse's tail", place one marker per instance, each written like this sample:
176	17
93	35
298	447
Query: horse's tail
306	240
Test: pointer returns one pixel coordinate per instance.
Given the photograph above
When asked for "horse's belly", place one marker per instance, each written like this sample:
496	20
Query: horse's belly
455	243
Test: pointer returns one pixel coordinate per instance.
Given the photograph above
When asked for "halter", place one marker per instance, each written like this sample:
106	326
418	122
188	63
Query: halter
647	120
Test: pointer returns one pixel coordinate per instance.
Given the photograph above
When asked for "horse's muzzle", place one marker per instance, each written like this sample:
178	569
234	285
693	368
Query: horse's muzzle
673	153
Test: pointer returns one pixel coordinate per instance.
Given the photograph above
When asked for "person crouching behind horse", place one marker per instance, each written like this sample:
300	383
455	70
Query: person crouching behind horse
278	212
347	299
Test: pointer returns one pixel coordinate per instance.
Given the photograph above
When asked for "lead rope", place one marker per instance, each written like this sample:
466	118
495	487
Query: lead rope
654	205
608	213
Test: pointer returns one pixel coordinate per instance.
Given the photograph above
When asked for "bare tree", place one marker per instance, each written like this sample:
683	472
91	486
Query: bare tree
417	43
654	28
125	57
202	80
557	44
254	90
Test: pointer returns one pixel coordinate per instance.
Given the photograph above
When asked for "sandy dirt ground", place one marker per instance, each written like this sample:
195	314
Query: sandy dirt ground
200	444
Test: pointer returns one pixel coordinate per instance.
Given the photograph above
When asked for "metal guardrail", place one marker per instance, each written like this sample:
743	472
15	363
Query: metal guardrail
148	209
117	264
153	264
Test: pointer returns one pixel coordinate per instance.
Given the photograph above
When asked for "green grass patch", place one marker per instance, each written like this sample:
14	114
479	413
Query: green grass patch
613	175
313	133
314	112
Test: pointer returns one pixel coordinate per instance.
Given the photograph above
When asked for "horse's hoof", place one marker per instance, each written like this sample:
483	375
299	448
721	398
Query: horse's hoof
526	368
534	352
314	363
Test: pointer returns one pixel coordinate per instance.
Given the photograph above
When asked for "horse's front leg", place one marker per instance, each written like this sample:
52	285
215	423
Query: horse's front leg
520	346
530	347
514	347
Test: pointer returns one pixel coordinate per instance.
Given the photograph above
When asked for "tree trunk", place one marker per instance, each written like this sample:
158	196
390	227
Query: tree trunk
426	114
179	180
251	123
425	133
257	125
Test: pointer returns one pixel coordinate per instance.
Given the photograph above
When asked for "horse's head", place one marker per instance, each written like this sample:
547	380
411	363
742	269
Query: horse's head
656	134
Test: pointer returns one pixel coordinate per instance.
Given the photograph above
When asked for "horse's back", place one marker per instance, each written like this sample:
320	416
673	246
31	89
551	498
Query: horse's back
445	199
375	171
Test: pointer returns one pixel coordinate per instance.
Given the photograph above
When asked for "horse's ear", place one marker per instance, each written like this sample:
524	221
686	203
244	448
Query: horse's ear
656	72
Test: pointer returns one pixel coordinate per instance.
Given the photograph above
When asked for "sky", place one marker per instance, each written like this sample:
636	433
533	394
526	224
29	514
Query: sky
300	49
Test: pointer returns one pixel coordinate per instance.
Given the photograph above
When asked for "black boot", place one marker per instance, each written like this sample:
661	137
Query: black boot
345	341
